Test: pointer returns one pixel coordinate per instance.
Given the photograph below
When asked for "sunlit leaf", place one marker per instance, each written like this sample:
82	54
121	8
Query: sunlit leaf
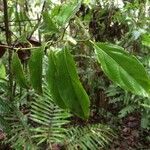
146	40
48	25
123	68
66	12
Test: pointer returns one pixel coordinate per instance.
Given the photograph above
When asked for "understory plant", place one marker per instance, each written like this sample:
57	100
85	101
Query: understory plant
61	64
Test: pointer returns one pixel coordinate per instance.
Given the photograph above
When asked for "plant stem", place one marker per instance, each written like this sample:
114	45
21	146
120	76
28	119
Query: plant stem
8	39
17	48
39	20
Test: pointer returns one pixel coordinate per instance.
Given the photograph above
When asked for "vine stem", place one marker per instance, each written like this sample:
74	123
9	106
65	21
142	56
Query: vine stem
8	40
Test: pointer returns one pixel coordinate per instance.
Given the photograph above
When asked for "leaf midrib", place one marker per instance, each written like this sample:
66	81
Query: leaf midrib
120	66
71	82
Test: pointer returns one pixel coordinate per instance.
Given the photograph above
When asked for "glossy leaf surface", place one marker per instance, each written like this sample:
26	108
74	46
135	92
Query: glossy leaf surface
68	85
123	68
52	77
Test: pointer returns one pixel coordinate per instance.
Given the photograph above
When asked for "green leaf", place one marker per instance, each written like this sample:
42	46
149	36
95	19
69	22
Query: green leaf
48	25
35	68
146	40
18	72
123	68
52	77
50	119
68	84
2	71
66	12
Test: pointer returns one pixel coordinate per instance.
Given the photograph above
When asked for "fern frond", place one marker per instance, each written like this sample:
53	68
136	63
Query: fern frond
50	120
5	109
20	135
15	124
89	137
127	110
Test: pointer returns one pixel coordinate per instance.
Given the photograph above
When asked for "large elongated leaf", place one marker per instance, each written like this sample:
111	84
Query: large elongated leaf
123	68
35	68
18	71
68	85
52	81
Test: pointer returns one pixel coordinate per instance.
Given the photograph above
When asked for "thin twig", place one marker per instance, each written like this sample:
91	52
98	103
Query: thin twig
3	29
16	48
39	20
8	39
15	21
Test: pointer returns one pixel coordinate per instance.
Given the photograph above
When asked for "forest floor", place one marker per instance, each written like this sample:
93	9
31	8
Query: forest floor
130	136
